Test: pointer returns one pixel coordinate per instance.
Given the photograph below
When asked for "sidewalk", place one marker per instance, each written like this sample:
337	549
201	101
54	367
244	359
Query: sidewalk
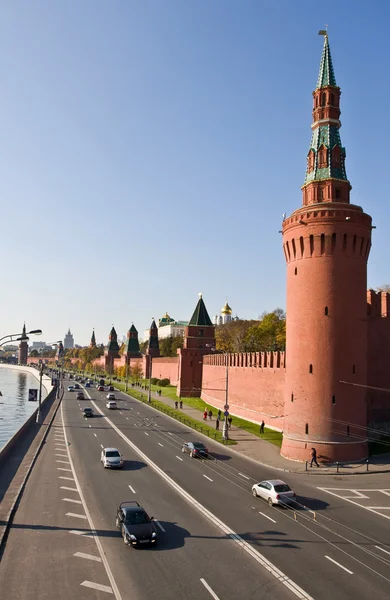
268	454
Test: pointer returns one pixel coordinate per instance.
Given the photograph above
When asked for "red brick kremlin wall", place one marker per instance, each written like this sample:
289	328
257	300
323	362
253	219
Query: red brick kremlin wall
255	381
166	368
378	375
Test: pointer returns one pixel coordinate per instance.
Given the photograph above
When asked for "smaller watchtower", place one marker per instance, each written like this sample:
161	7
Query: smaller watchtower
23	347
92	343
112	351
199	339
132	345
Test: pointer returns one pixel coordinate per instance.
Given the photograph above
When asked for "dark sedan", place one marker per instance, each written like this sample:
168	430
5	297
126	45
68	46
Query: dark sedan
135	525
87	412
195	449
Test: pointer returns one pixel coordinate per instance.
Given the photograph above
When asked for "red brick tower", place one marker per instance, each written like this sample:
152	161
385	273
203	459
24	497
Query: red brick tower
23	347
92	343
112	351
153	349
132	345
199	339
326	244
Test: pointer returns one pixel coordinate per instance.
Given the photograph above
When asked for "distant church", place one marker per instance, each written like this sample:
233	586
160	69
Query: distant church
225	316
68	340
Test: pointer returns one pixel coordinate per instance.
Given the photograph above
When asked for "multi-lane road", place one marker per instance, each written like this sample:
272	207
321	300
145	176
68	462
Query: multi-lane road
216	540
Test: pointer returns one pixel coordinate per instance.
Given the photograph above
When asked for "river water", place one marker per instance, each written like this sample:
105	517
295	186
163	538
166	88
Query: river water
14	405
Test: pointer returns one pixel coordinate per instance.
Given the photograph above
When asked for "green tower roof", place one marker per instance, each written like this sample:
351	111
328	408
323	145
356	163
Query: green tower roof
200	316
326	75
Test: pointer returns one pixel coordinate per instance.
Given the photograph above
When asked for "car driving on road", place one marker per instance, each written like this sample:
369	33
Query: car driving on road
111	458
80	396
110	396
135	524
274	491
70	388
195	449
111	404
100	388
87	412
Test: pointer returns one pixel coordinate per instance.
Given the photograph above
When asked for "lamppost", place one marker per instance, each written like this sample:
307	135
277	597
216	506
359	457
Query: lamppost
225	427
39	416
150	379
21	337
127	373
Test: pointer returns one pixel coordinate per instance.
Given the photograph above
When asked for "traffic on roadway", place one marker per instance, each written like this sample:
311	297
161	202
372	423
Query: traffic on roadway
126	501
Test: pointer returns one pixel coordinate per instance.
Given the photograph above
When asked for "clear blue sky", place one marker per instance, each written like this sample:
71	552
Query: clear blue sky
149	148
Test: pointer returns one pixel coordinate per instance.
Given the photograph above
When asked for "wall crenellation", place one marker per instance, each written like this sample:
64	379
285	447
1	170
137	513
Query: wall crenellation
378	304
261	360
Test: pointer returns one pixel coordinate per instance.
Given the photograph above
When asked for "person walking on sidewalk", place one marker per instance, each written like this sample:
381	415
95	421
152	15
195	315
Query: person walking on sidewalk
230	420
314	457
205	414
219	414
262	427
217	423
210	414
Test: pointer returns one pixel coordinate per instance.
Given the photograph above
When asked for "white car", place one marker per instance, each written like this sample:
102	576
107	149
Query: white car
111	458
274	491
70	388
111	404
110	396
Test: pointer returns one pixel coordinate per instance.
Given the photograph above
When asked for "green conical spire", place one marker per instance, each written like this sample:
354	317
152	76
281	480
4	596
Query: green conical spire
326	75
200	316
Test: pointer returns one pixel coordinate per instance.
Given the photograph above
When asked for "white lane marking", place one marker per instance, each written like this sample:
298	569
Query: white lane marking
207	477
145	433
63	477
352	501
61	456
384	492
121	413
82	533
127	418
97	586
71	500
94	535
159	524
62	469
58	444
64	487
132	489
101	446
179	458
95	434
169	433
160	445
338	564
75	515
138	413
66	462
242	475
89	425
267	517
208	588
379	507
383	550
246	546
88	556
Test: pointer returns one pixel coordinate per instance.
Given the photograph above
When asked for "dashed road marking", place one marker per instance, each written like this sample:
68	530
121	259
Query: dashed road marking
207	477
373	509
72	500
63	477
159	524
383	550
210	591
242	475
95	434
132	489
160	445
66	462
146	433
267	517
62	469
82	533
101	446
64	487
97	586
338	564
179	458
127	418
75	515
88	556
169	433
61	456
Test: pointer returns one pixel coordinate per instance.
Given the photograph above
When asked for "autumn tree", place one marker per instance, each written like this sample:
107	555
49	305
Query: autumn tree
169	345
136	371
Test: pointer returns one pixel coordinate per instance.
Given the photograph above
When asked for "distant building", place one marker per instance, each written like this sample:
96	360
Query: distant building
225	316
168	327
38	345
68	340
23	347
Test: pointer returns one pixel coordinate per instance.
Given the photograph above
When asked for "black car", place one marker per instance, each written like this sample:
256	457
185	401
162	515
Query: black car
87	412
80	396
111	388
195	449
135	525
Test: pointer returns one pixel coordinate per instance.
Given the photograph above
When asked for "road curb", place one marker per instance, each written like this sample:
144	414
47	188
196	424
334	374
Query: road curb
11	513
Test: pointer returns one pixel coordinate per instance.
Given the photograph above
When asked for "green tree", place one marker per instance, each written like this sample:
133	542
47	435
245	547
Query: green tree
136	371
34	353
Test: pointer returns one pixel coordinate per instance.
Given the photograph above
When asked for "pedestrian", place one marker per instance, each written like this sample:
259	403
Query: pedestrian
176	404
181	403
262	427
217	423
205	414
210	414
230	420
314	457
219	414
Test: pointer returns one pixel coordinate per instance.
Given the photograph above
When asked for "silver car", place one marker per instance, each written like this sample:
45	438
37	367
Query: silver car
274	491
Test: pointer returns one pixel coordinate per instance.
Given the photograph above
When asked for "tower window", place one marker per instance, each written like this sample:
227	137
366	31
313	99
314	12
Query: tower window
337	192
201	332
296	271
311	245
288	251
326	311
307	428
333	242
311	369
354	244
292	397
294	248
332	99
333	399
323	99
301	242
353	369
348	430
322	243
345	241
361	246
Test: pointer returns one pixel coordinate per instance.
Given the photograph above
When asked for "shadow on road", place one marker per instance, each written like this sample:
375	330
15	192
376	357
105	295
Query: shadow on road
133	465
303	502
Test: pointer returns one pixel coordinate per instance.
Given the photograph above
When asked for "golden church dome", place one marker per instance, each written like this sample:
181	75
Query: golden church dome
226	310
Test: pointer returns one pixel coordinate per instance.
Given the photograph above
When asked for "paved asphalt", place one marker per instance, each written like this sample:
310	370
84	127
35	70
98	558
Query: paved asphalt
340	550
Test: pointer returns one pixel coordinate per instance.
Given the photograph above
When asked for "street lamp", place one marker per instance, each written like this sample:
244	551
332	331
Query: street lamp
150	379
225	427
39	416
20	336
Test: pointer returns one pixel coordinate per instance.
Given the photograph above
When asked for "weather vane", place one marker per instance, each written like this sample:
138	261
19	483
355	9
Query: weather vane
324	31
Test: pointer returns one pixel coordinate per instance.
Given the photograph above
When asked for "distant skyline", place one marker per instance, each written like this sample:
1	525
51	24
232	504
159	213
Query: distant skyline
149	150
